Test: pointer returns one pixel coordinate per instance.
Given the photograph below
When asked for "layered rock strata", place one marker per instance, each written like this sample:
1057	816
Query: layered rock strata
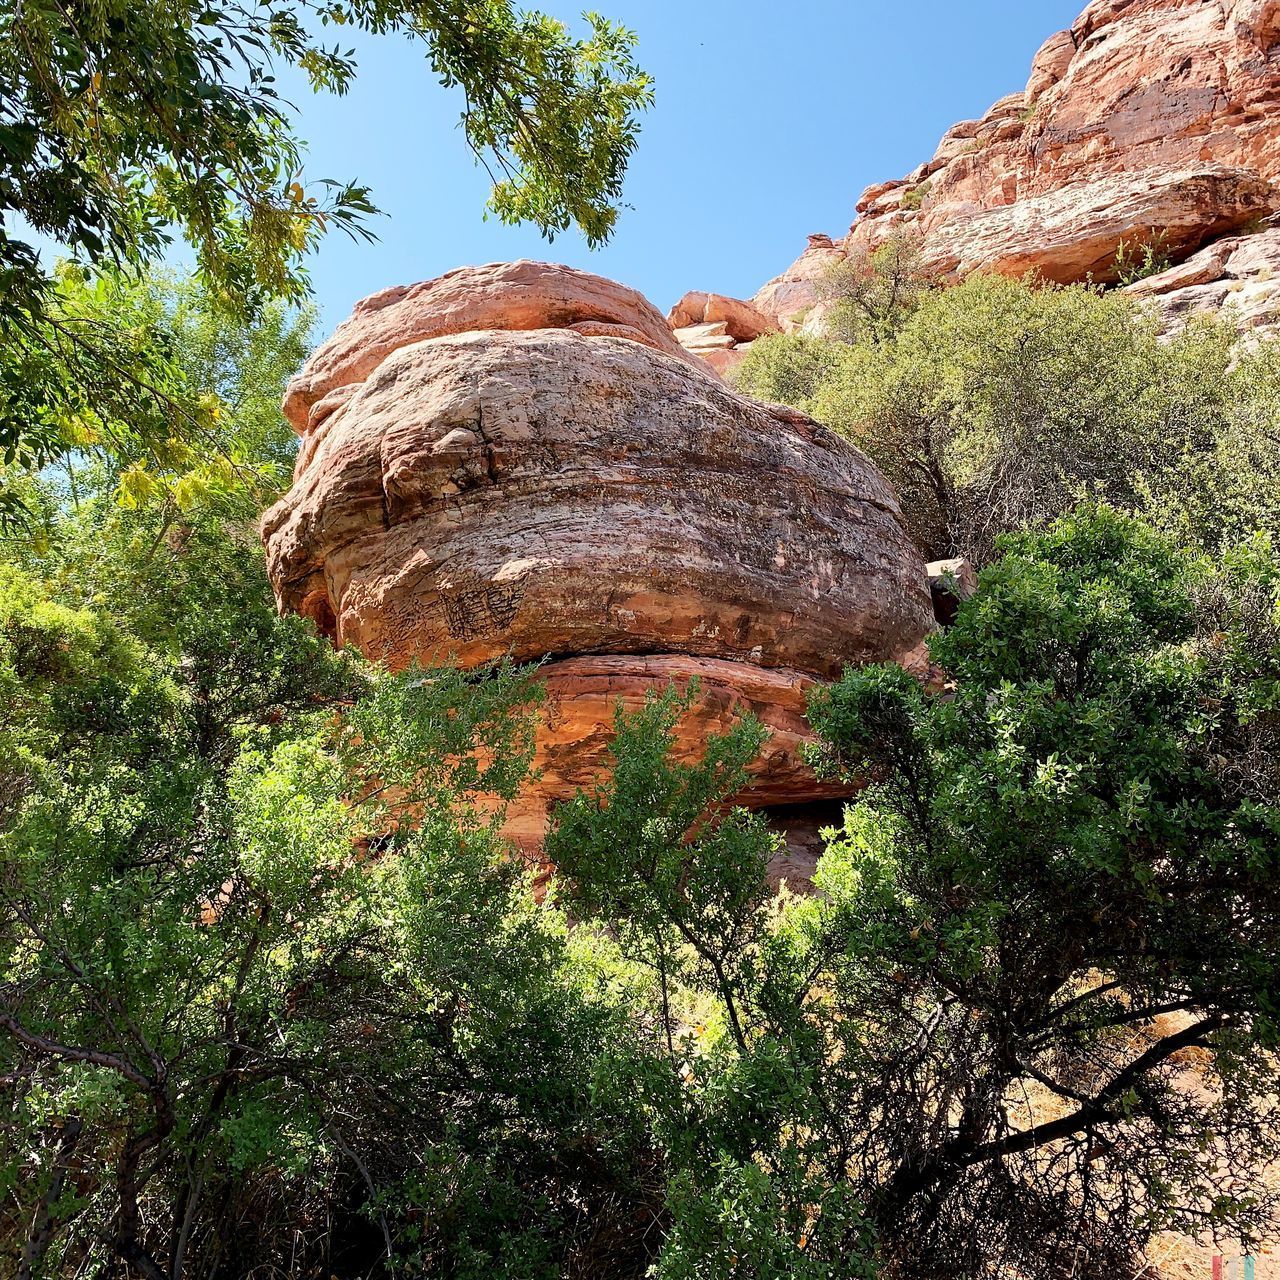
718	329
474	483
1148	121
1237	277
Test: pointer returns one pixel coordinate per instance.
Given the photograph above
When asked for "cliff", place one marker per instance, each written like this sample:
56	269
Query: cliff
1147	122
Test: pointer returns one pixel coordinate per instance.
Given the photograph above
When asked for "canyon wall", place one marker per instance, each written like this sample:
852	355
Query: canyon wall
1147	122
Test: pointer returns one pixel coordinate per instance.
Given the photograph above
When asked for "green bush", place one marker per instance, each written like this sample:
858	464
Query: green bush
997	405
276	994
870	296
913	198
1140	260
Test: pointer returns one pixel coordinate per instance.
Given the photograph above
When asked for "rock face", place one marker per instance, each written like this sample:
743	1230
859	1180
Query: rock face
743	321
718	329
1148	119
543	492
577	485
503	295
790	297
1238	277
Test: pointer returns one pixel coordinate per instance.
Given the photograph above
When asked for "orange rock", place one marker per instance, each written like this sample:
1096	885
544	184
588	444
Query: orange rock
742	321
578	719
1147	118
788	298
502	295
726	361
583	692
544	492
1075	233
552	485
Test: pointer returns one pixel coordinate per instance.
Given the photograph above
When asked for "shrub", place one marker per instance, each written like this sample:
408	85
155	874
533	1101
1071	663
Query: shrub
913	197
1136	262
870	296
998	405
1019	1027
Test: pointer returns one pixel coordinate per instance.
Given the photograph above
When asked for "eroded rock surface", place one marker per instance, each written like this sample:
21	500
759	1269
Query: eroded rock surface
1237	277
542	492
582	694
1147	119
581	490
718	329
502	295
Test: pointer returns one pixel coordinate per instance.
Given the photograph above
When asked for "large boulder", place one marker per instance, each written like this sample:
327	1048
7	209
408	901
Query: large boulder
743	321
503	295
585	492
543	492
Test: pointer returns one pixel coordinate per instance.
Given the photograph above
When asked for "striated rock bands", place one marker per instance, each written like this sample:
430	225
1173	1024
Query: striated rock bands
577	488
1147	121
503	295
1238	276
1074	233
542	492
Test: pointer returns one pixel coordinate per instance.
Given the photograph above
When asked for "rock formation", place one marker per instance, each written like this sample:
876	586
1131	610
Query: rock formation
1149	121
1238	276
719	329
559	477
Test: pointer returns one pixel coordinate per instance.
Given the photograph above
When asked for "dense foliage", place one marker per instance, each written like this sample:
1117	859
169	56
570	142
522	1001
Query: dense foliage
256	1016
276	995
998	404
1065	889
126	122
195	424
871	294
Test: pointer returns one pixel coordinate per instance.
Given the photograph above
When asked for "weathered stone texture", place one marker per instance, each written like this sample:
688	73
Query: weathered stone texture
550	484
1148	118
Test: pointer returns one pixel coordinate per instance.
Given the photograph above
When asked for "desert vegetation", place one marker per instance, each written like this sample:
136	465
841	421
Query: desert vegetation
999	404
257	1016
278	997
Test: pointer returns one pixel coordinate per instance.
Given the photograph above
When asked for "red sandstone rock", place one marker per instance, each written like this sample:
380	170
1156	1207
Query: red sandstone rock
577	728
502	295
579	489
1147	116
1238	277
544	492
583	692
725	361
717	329
743	322
565	484
1074	233
699	338
787	298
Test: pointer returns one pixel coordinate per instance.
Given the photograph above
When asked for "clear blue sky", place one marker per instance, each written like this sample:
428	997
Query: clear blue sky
770	119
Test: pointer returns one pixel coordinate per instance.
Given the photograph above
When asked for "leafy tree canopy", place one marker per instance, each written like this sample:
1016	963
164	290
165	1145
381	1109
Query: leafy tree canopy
124	123
162	398
997	405
1029	1021
273	987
